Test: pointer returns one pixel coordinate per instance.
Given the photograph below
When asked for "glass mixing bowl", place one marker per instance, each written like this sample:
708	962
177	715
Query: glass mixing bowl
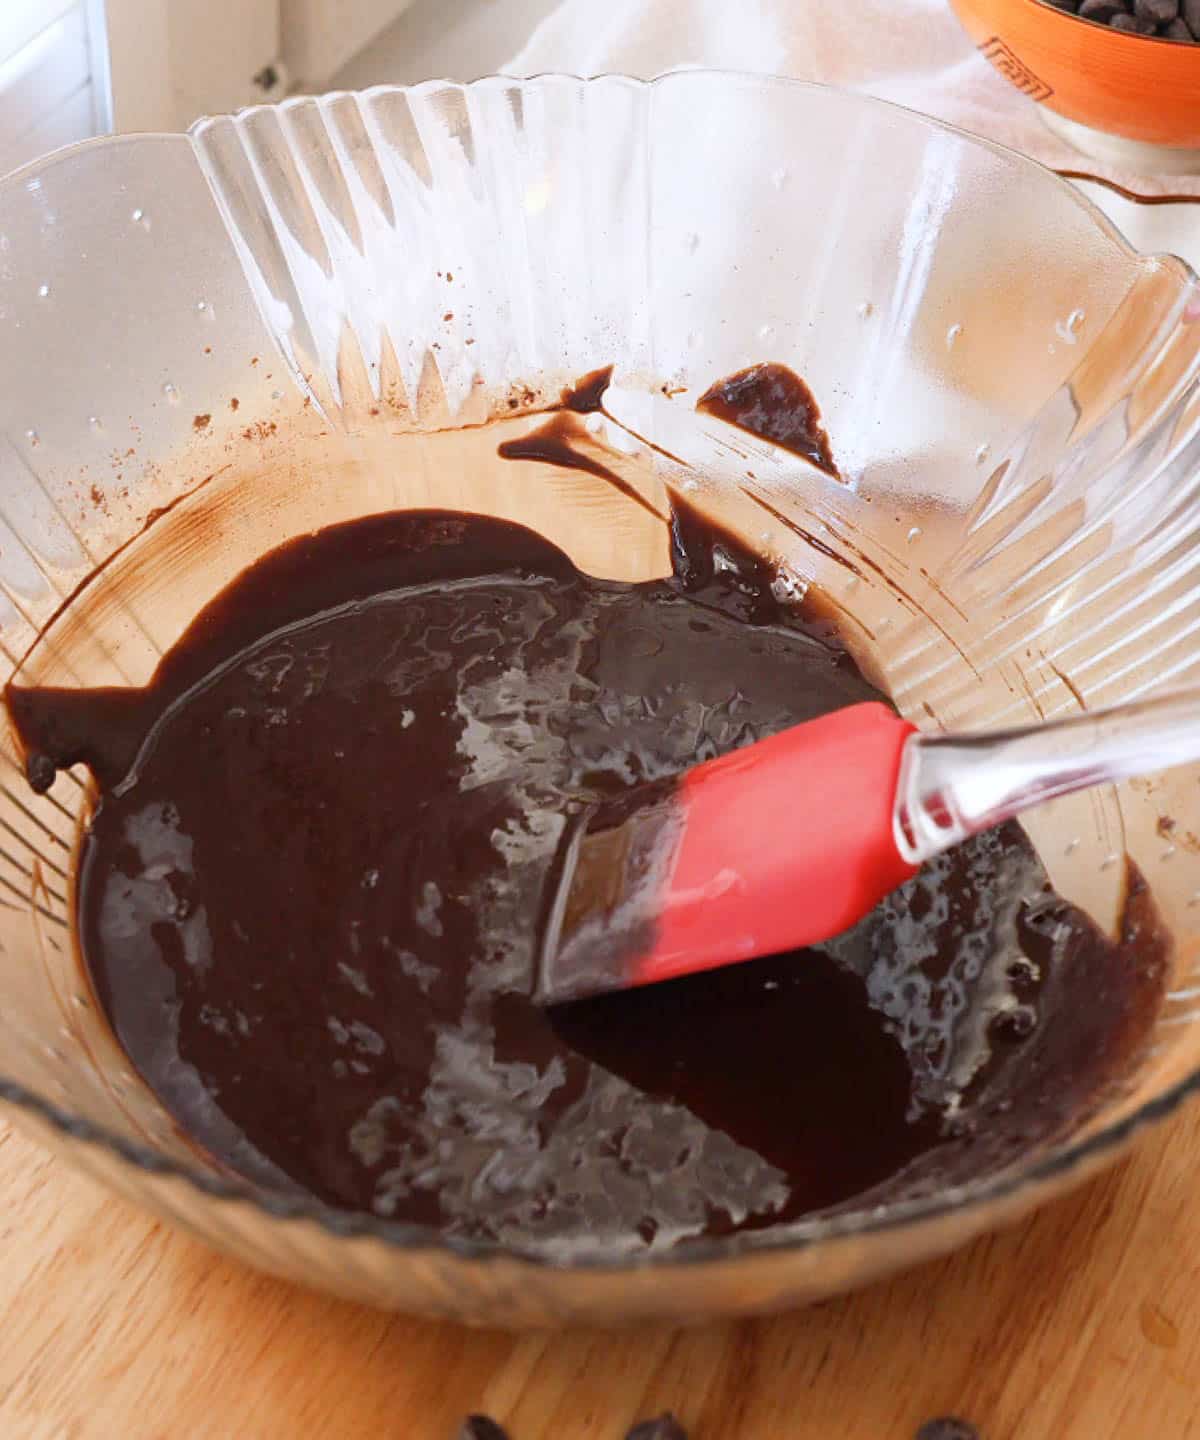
305	313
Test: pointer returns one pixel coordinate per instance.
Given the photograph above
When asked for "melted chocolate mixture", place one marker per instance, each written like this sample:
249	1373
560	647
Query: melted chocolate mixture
308	903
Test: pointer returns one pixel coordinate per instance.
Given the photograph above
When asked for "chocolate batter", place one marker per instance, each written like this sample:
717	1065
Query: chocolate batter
308	902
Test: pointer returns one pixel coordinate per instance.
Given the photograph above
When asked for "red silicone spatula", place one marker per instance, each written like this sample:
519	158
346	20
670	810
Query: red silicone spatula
788	842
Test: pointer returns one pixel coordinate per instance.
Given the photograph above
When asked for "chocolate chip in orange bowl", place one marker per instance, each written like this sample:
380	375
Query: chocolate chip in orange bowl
1118	79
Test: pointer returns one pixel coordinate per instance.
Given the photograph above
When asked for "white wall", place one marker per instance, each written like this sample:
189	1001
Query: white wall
319	36
174	60
445	39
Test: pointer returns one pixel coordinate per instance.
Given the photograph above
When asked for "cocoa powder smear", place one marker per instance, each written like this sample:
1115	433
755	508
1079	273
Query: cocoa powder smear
309	897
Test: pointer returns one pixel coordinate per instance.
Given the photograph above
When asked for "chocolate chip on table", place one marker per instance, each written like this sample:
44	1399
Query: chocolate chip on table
40	772
948	1427
666	1427
481	1427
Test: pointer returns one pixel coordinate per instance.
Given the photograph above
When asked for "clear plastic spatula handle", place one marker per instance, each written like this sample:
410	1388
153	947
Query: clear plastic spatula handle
954	786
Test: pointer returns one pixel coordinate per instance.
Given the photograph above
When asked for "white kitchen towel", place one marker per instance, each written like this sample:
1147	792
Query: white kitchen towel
913	52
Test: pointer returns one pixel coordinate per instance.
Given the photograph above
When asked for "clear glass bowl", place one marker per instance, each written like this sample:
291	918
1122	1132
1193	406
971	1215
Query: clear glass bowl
209	343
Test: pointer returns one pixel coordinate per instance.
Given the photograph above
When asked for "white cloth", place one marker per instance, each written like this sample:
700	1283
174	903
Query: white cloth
913	52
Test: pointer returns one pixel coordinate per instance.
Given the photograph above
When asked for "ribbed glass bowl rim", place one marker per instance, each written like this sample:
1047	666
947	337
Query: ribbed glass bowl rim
796	1236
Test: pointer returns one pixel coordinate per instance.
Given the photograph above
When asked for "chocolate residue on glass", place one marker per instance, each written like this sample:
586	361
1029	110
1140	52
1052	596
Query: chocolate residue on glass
560	440
308	904
772	402
563	441
586	396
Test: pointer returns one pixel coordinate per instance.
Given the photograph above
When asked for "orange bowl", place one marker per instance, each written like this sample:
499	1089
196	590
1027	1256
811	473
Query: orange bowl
1135	87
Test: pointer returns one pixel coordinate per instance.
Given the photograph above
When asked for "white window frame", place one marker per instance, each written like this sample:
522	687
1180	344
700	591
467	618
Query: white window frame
53	87
101	80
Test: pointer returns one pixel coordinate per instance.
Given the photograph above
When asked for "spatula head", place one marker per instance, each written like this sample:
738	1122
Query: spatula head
779	845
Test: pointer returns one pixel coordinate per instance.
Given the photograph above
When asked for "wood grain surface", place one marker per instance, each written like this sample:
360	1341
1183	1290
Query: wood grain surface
1082	1322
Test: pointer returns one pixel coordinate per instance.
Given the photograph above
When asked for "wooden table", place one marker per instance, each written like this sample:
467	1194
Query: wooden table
1083	1322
